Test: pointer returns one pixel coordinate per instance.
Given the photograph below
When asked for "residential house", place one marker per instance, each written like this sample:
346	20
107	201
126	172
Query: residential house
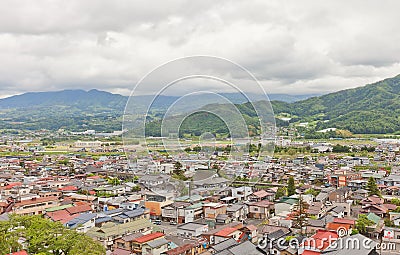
169	212
227	233
318	242
190	213
155	203
374	204
340	195
316	209
261	209
192	229
355	243
212	210
83	222
261	195
153	243
187	249
285	205
109	232
237	212
209	236
34	206
231	247
241	193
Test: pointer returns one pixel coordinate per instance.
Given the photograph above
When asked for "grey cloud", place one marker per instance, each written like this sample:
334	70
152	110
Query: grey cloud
290	46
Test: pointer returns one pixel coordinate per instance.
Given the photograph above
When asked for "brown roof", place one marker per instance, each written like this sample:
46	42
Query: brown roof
79	209
35	201
62	216
263	203
181	249
261	193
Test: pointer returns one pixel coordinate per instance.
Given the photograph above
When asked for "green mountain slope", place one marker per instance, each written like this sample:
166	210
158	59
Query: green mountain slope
374	108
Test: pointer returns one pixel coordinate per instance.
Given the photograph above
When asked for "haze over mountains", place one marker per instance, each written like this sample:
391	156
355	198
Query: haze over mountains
374	108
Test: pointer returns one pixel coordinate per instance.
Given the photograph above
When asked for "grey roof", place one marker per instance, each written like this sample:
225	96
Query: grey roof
316	223
4	217
328	218
134	213
157	243
191	226
348	246
321	196
201	175
103	219
222	217
120	210
145	178
223	252
392	177
81	219
245	248
131	237
361	191
234	207
224	245
276	234
338	209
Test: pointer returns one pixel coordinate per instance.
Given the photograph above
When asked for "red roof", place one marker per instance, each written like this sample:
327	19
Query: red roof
12	185
261	193
180	250
321	240
79	209
225	232
335	226
390	206
62	216
119	251
3	204
23	252
149	237
310	253
68	188
36	201
344	221
251	227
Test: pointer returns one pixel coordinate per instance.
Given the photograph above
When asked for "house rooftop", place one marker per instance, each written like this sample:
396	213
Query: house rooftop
148	237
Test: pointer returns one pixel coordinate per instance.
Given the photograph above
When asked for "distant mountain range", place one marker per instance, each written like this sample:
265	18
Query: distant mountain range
78	110
371	109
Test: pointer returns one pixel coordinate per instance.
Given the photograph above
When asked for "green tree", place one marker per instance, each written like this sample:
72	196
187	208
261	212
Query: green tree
291	189
362	223
372	187
300	214
312	192
178	166
280	192
114	181
44	237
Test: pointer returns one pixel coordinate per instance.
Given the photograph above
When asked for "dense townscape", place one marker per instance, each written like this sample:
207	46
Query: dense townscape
308	198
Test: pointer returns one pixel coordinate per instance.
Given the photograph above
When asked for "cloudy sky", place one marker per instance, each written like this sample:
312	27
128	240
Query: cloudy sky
293	47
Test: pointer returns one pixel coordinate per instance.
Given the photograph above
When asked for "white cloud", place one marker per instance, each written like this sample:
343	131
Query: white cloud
290	46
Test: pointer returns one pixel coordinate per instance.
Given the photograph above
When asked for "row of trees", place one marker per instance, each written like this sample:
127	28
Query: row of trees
44	237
